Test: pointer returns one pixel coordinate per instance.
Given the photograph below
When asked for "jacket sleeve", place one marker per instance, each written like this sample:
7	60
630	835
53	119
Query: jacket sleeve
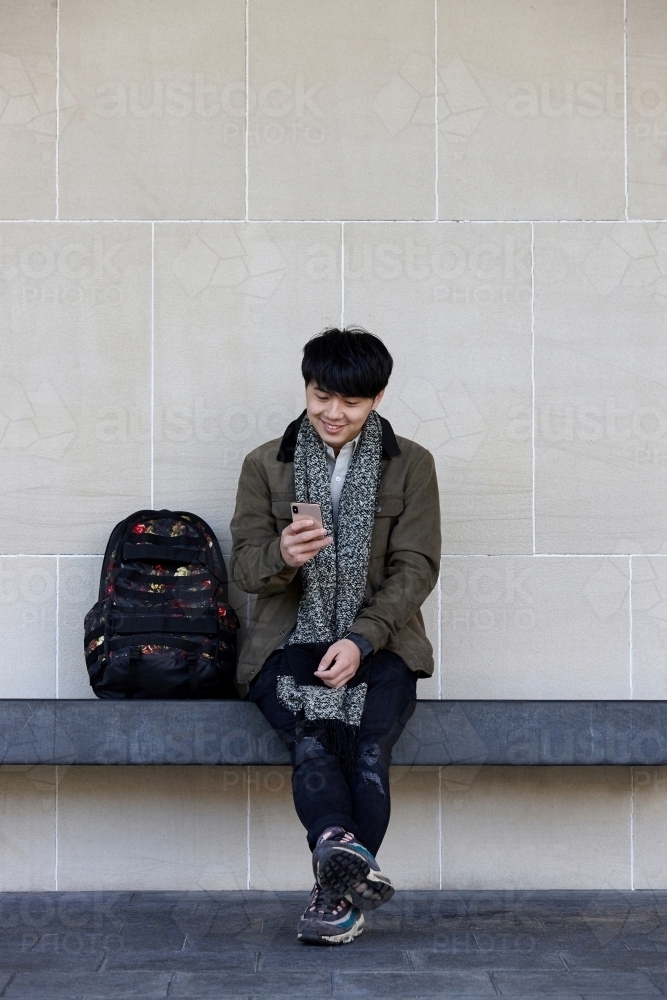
412	561
256	564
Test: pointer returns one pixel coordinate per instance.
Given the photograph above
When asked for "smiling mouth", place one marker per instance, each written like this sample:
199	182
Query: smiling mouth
332	428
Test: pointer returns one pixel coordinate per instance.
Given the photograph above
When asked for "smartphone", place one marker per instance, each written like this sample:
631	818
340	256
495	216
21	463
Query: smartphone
309	512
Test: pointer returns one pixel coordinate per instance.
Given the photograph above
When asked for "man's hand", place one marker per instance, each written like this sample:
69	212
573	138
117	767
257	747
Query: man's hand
300	541
339	664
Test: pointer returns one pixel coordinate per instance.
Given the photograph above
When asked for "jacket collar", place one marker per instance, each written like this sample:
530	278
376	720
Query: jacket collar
390	447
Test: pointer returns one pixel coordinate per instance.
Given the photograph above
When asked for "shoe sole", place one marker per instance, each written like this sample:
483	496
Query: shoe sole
310	935
341	871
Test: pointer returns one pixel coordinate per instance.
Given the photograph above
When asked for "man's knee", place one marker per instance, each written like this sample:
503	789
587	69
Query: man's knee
371	764
307	749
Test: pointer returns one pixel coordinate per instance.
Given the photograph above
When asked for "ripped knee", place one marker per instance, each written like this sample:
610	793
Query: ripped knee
369	764
373	778
307	748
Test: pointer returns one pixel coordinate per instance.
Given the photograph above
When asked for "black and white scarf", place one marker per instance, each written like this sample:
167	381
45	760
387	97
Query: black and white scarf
334	584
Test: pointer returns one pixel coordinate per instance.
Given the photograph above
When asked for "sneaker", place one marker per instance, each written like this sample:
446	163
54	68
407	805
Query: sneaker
329	921
342	866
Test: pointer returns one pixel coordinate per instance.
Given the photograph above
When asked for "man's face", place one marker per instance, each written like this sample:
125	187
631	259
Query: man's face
338	419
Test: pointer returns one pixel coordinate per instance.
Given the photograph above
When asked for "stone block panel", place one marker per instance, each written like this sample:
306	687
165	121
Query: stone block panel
234	306
75	390
536	828
530	114
521	627
342	110
28	111
182	828
28	627
452	304
156	127
600	405
647	109
27	846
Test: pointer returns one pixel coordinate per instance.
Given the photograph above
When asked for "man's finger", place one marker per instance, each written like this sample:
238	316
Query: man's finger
311	539
328	658
298	528
307	553
309	543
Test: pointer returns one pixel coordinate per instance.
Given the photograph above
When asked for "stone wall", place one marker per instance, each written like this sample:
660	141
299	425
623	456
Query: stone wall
190	191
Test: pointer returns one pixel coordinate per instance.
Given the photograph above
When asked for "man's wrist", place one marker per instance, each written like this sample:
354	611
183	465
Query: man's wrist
364	645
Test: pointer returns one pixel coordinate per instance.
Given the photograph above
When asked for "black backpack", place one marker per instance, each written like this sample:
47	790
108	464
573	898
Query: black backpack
162	627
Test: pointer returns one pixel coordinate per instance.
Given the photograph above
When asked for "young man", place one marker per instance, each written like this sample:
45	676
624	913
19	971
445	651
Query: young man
337	641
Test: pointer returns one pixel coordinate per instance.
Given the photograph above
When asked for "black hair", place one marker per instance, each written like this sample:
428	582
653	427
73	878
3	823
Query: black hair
349	362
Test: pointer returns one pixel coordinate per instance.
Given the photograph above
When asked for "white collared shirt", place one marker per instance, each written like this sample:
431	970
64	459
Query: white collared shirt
338	467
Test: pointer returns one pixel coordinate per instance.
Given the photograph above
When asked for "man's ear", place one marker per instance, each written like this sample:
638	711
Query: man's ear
377	400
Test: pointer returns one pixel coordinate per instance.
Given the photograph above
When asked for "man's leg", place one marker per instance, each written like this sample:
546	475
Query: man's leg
390	701
321	798
346	864
321	794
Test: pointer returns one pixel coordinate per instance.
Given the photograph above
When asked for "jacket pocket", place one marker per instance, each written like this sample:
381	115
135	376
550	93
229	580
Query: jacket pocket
282	511
387	509
388	506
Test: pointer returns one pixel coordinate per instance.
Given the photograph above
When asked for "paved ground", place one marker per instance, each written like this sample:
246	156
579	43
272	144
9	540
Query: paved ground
147	945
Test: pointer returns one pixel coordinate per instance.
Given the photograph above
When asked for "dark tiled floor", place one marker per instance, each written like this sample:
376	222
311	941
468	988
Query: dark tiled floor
242	946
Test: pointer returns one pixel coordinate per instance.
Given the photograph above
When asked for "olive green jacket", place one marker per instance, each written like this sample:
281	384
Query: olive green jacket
404	559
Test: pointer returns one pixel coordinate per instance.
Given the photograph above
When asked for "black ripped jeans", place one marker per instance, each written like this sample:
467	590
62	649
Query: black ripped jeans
323	796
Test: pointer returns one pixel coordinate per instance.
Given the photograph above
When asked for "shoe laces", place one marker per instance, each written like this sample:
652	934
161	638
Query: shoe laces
338	834
320	902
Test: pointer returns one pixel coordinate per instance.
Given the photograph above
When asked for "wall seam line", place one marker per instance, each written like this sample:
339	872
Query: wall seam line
319	222
439	636
57	685
630	630
152	361
439	826
435	84
632	828
625	106
247	109
55	866
445	555
57	177
51	555
550	555
532	369
342	275
247	828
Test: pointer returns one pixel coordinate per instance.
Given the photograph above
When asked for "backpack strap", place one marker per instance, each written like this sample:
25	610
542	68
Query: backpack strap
156	639
193	676
132	672
129	623
175	592
133	551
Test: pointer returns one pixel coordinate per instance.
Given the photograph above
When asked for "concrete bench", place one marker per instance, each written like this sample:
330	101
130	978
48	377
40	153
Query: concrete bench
59	731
